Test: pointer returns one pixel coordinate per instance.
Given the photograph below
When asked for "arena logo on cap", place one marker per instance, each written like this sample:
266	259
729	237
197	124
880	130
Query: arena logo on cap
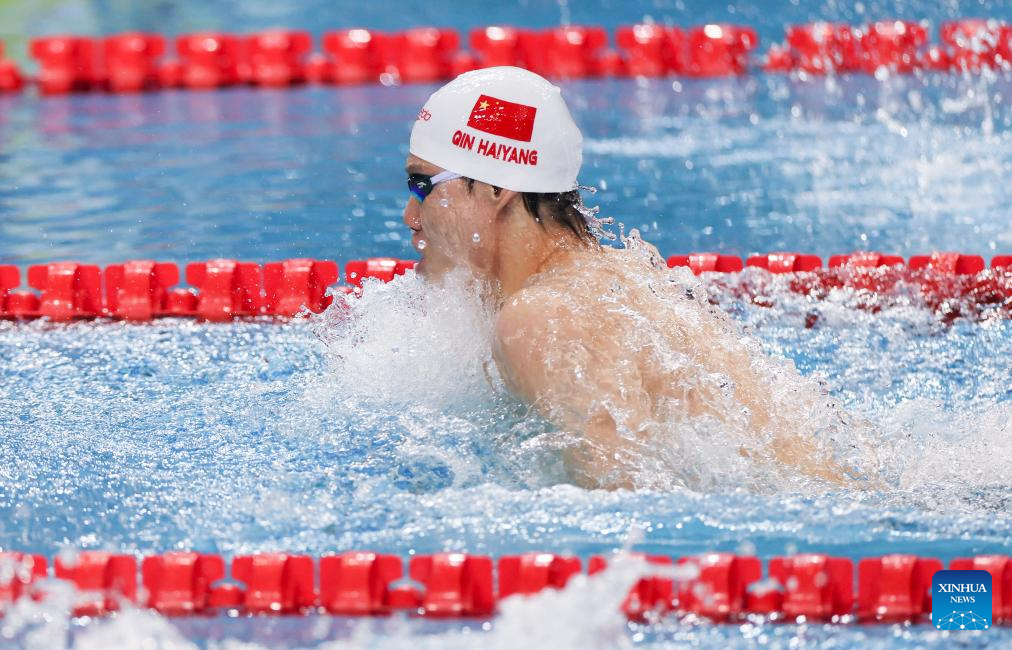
961	600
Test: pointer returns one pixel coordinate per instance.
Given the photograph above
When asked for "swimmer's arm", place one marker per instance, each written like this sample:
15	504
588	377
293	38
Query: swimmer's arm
790	443
546	360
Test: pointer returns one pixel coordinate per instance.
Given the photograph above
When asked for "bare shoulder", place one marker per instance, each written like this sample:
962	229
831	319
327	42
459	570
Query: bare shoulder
535	312
573	304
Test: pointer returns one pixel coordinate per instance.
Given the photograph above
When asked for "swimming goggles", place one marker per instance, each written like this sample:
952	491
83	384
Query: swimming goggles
421	185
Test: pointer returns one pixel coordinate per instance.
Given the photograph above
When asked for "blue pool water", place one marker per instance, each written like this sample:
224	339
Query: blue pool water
382	432
735	165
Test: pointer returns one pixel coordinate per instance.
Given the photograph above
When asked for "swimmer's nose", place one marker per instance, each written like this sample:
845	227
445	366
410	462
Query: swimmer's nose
413	215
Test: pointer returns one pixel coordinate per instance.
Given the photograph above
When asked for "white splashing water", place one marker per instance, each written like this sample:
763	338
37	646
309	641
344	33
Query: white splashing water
427	349
940	447
411	342
395	346
935	394
136	628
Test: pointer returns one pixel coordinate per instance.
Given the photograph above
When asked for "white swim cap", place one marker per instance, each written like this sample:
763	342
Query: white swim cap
504	126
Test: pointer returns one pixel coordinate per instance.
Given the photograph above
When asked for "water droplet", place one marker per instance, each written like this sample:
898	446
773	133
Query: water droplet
444	203
476	238
421	244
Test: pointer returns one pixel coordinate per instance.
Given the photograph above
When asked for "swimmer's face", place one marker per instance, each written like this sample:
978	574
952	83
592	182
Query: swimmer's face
453	226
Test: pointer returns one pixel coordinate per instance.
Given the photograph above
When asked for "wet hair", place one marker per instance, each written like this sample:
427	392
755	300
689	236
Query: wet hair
563	208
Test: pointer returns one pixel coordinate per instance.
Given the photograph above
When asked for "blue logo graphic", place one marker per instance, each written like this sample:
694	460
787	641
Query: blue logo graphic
961	600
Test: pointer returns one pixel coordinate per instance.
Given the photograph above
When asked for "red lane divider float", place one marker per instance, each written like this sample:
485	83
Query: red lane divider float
132	61
10	76
277	58
895	588
707	263
719	50
951	284
949	263
179	583
291	284
817	48
358	584
818	587
140	291
785	262
66	64
381	268
103	581
894	46
224	290
455	584
276	583
721	587
530	573
351	56
821	48
69	290
720	590
19	573
422	54
206	60
495	46
976	44
651	50
227	289
570	52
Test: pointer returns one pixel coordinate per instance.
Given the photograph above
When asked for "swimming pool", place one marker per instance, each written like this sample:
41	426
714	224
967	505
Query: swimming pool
261	436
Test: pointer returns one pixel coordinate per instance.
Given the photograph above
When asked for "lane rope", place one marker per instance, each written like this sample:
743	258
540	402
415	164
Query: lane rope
280	58
950	284
722	587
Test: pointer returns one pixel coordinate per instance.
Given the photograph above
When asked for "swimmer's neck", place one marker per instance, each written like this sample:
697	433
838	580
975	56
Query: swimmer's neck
526	248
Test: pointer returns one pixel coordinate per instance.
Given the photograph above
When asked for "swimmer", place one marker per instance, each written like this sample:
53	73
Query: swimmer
601	341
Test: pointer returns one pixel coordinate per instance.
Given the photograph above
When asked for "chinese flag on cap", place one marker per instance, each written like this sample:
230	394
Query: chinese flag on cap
502	118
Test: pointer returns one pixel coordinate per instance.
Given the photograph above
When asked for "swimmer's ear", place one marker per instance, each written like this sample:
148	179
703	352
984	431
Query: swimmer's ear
503	197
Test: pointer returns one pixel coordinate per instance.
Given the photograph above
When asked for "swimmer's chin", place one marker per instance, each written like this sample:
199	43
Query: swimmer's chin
435	272
427	272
